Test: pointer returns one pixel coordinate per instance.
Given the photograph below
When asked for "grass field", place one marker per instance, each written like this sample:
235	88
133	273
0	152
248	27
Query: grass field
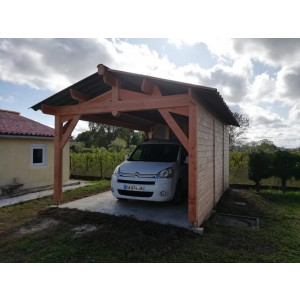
32	232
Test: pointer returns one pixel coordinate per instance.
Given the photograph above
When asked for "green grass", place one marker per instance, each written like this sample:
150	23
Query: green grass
122	239
17	214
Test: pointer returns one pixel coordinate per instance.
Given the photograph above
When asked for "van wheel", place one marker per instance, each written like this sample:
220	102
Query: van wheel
178	194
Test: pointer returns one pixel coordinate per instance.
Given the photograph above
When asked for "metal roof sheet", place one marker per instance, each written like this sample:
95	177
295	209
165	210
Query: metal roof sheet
94	86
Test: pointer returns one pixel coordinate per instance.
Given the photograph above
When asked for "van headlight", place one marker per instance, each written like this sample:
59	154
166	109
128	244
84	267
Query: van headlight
166	173
117	170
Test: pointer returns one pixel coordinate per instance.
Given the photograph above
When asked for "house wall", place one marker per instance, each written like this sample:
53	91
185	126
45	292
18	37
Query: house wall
213	161
15	161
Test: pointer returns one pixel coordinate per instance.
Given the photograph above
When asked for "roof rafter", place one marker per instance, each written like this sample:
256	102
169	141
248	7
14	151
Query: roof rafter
79	96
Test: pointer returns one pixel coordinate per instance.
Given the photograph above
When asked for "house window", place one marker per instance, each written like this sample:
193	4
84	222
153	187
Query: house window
38	155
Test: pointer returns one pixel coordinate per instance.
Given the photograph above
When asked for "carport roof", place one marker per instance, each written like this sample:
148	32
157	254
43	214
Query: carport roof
94	85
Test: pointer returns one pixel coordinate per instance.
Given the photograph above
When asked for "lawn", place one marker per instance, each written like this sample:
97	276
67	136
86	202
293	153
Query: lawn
33	232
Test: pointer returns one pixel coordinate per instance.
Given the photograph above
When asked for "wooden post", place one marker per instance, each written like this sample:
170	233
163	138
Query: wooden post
192	210
58	160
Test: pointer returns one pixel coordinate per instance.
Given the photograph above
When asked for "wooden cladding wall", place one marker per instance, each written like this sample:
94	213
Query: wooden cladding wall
213	161
205	166
226	157
219	161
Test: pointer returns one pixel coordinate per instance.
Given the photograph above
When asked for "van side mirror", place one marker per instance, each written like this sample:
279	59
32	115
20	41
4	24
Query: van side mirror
186	160
126	157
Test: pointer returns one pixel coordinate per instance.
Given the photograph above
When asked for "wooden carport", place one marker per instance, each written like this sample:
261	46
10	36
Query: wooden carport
136	102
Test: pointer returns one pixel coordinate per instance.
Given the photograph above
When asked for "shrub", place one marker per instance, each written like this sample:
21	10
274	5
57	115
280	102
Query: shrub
285	167
259	167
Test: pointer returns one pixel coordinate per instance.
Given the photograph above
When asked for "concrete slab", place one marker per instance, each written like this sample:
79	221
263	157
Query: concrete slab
164	213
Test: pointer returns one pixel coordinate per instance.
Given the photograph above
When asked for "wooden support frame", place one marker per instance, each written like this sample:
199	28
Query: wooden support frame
93	107
175	128
61	135
117	101
58	133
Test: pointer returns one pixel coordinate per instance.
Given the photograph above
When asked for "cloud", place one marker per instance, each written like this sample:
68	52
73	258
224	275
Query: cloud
266	124
54	64
51	63
288	83
9	99
80	127
275	52
294	113
270	51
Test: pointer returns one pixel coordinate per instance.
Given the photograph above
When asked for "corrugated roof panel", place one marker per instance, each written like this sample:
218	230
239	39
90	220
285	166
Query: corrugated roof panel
94	86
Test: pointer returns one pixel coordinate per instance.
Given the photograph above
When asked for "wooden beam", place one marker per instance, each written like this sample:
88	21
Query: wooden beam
107	121
115	97
58	160
107	77
149	88
79	96
192	149
68	129
66	118
121	106
175	128
183	110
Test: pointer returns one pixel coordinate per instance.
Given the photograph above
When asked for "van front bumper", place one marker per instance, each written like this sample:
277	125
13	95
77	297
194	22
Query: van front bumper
145	189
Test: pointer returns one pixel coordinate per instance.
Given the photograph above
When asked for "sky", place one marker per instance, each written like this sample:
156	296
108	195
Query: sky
258	78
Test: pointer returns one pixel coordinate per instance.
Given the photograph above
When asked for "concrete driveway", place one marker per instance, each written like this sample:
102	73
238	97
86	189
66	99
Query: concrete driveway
165	213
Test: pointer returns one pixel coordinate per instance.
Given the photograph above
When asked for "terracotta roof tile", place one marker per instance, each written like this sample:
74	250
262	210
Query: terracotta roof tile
11	123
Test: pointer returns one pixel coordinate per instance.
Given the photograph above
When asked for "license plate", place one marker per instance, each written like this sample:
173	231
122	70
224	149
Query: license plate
133	188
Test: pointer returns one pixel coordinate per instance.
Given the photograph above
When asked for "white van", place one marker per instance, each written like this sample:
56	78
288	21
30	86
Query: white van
155	171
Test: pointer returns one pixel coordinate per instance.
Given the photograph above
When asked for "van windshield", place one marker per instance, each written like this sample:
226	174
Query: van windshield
155	153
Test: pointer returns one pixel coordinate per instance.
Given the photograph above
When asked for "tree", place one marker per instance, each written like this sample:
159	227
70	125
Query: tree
259	167
284	165
117	145
237	134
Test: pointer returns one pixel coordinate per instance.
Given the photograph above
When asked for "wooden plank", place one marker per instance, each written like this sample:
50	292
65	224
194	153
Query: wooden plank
68	129
58	160
99	107
147	86
192	149
79	96
103	120
107	77
175	128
